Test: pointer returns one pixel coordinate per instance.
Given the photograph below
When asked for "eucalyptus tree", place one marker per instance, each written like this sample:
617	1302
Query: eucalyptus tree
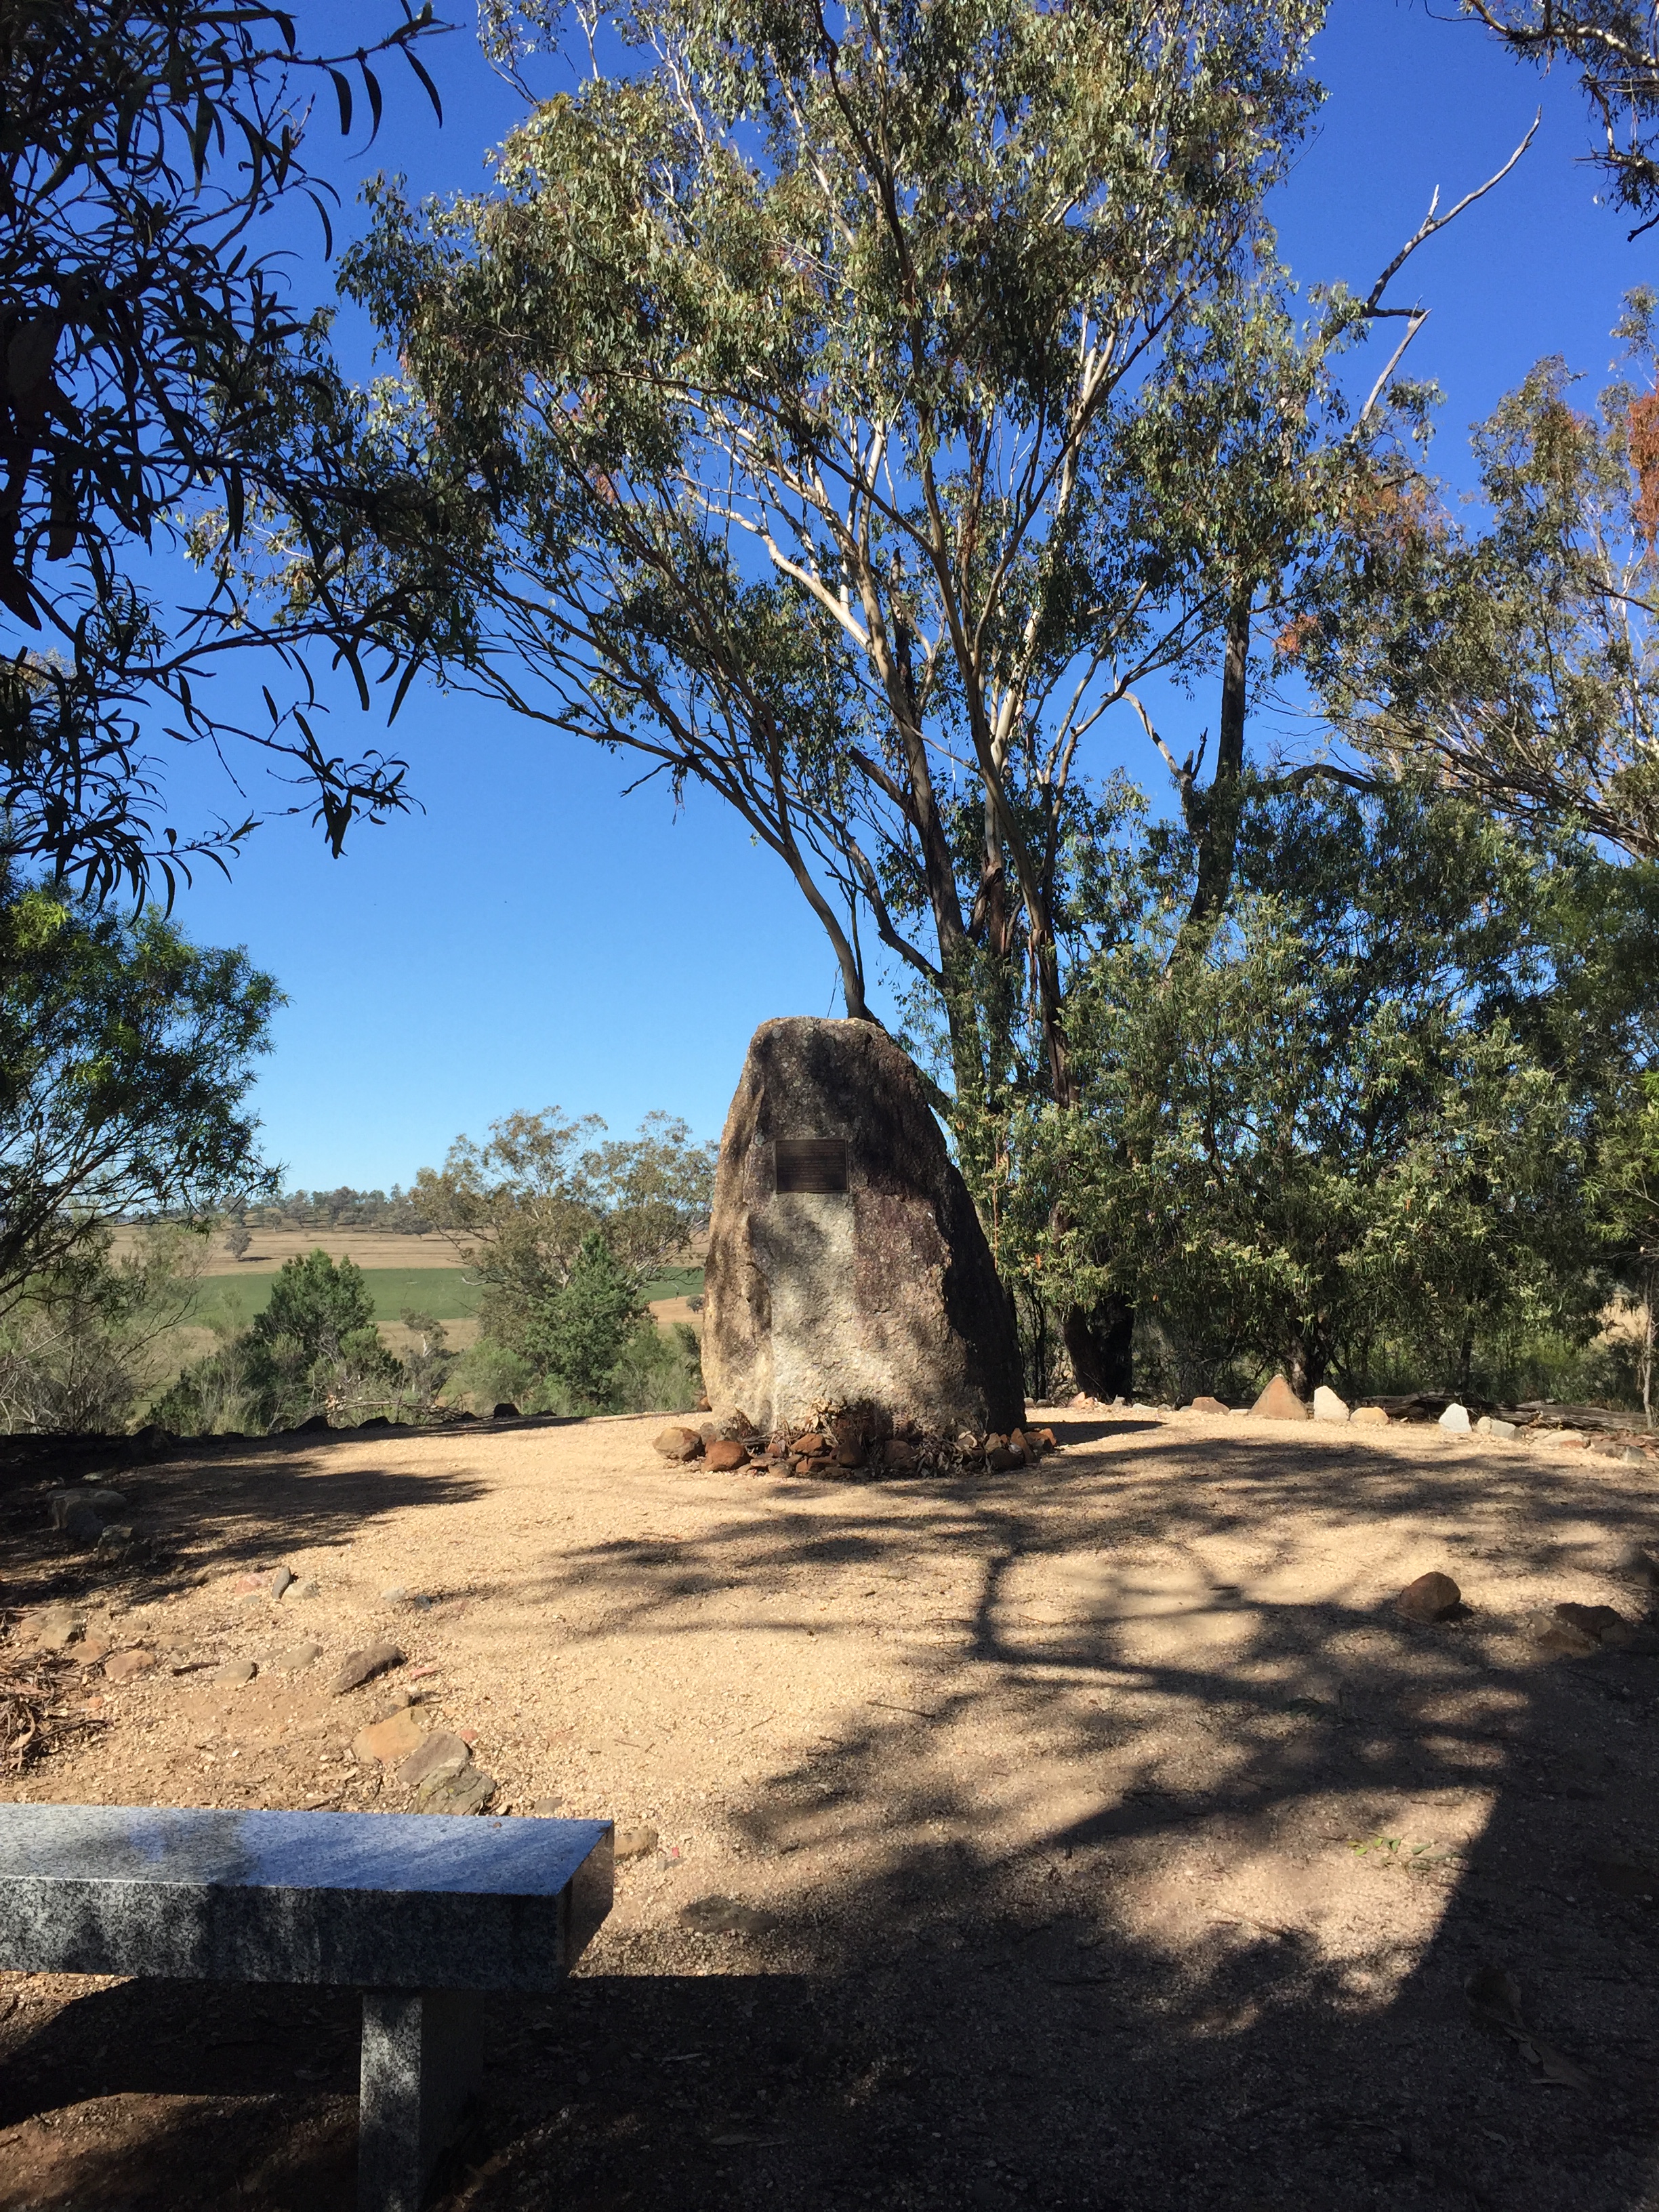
1616	48
151	354
127	1058
1513	649
784	387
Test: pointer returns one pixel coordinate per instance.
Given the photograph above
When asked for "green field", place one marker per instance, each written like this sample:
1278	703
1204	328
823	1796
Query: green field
446	1293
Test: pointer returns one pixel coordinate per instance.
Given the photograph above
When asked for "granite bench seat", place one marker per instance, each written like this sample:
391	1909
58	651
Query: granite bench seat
422	1912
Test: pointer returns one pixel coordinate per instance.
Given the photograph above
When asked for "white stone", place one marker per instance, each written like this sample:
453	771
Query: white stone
1455	1420
1490	1425
1327	1407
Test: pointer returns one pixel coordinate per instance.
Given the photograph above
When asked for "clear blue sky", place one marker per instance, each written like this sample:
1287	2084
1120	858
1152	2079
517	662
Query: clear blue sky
535	937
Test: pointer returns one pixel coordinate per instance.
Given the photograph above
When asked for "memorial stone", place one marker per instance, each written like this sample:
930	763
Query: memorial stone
846	1266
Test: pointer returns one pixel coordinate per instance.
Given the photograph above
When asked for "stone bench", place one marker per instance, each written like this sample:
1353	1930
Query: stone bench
422	1912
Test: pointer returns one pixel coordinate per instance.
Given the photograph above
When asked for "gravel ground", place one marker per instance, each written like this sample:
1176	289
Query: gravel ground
1091	1836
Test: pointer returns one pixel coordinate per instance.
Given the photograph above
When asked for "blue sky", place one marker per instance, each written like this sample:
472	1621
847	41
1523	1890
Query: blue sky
535	937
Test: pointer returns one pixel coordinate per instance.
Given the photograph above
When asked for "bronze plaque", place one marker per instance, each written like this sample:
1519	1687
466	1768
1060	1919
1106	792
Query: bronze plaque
811	1163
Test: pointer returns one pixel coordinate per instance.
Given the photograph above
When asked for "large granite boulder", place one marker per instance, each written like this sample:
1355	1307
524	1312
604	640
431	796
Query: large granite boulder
846	1265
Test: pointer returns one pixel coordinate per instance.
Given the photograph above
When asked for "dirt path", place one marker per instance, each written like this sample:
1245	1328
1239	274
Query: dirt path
1095	1836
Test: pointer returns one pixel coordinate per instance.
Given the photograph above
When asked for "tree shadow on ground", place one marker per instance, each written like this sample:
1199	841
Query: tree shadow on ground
235	1511
1027	1993
1160	1896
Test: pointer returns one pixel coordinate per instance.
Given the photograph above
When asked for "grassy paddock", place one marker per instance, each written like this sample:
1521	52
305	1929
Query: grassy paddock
446	1293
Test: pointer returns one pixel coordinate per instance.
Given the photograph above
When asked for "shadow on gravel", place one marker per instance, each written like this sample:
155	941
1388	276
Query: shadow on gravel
986	2029
214	1515
984	2023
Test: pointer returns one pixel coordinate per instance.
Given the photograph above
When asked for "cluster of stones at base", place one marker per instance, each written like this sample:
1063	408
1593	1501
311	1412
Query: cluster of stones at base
434	1765
850	1442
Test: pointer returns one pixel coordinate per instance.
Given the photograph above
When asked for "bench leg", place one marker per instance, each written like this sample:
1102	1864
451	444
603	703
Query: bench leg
420	2063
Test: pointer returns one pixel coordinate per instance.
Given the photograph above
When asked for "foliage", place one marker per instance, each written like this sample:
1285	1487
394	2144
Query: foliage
429	1362
522	1207
1630	1196
314	1349
1366	1119
148	352
79	1347
575	1335
658	1371
125	1059
1516	656
798	372
1616	47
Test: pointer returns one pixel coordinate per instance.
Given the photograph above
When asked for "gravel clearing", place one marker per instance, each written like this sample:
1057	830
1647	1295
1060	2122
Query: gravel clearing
1087	1836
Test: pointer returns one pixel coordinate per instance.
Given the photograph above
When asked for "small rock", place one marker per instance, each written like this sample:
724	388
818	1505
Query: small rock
363	1665
1327	1407
250	1585
1455	1420
899	1453
1600	1622
1045	1437
1559	1640
723	1915
469	1791
1370	1417
52	1628
117	1536
1490	1425
317	1424
1206	1405
127	1666
702	1406
506	1411
1629	1456
677	1443
296	1591
669	1858
1431	1597
80	1523
233	1673
1278	1402
738	1424
62	1503
297	1658
724	1456
93	1650
1000	1460
278	1581
440	1757
389	1742
547	1808
1570	1439
1634	1564
634	1843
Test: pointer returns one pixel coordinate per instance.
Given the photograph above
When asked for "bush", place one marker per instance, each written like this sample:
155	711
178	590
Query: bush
657	1372
79	1348
315	1349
